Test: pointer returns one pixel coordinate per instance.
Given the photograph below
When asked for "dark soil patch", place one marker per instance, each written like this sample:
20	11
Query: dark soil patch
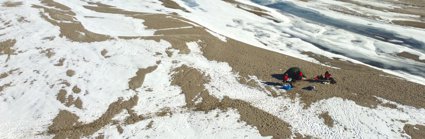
327	119
67	125
6	48
410	56
137	81
415	131
173	5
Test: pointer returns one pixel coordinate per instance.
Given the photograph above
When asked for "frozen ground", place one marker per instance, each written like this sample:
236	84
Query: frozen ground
84	69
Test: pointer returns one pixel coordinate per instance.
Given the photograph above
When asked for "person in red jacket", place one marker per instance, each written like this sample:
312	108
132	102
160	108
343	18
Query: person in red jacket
300	75
328	75
286	77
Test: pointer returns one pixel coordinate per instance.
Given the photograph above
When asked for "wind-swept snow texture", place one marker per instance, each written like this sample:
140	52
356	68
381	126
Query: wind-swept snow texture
157	69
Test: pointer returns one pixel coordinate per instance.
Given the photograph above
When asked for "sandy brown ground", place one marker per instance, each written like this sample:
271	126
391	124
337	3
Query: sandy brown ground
11	3
66	124
327	119
70	73
69	100
410	56
6	48
76	90
172	4
409	23
355	82
415	131
5	74
191	82
61	96
4	86
252	9
60	62
137	81
104	53
62	16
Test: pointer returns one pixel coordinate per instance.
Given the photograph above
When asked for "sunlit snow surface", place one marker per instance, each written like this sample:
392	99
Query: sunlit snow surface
29	105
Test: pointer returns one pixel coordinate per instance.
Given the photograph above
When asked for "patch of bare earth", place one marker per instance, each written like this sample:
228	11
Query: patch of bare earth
134	118
62	16
151	21
64	82
60	62
4	24
266	123
168	23
415	131
23	20
327	119
104	53
149	126
120	129
410	56
4	86
61	96
6	48
137	81
67	125
389	105
173	5
192	83
69	100
409	23
48	52
6	74
76	90
12	3
300	136
78	103
252	9
70	73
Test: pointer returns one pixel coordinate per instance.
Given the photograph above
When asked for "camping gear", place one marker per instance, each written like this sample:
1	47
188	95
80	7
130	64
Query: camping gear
287	87
310	88
332	80
294	73
328	75
326	82
328	79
